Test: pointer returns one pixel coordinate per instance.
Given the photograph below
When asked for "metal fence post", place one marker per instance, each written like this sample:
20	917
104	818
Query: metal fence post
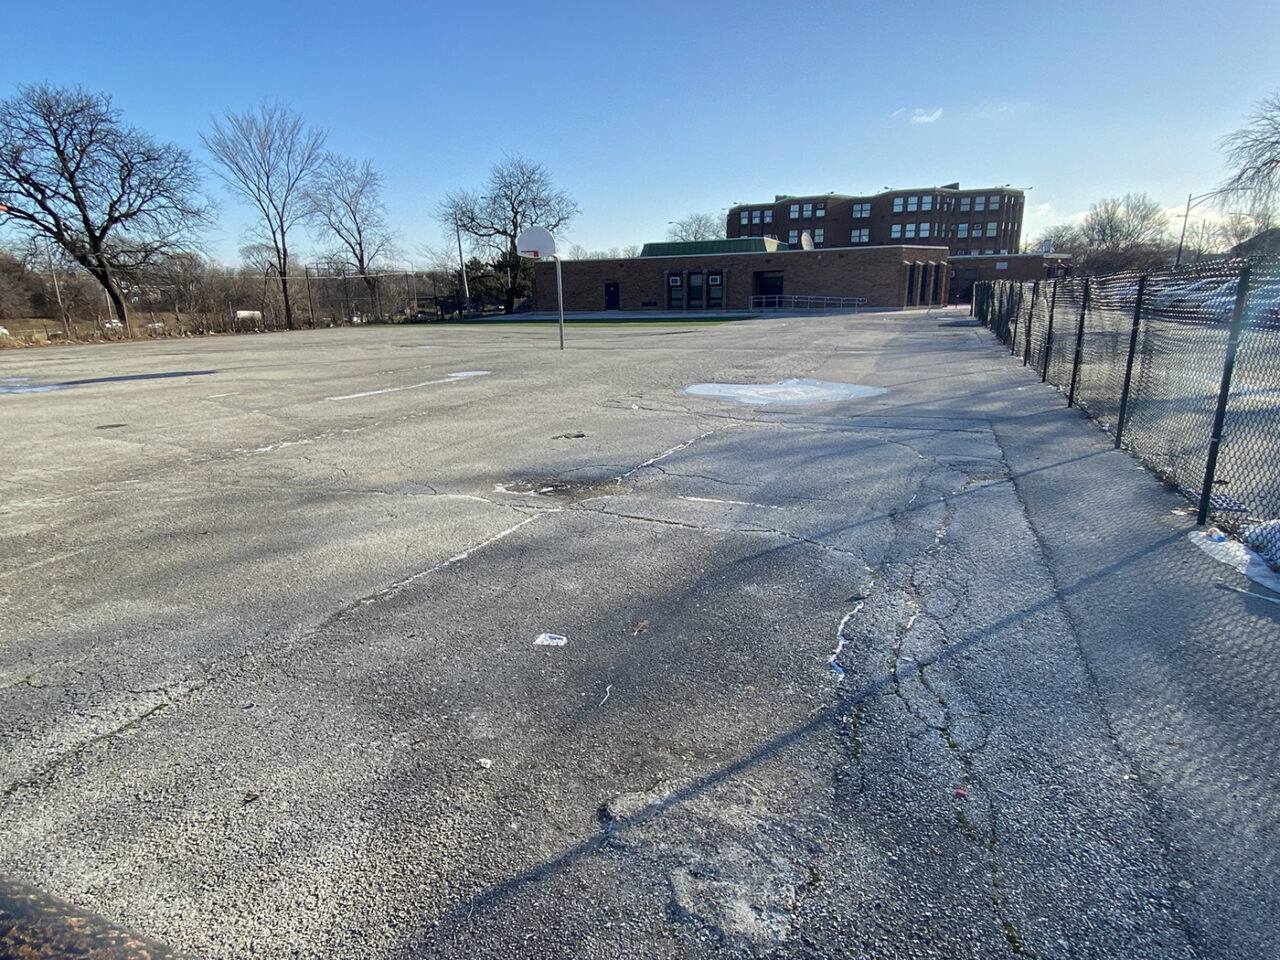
1048	332
1026	347
1128	366
1011	317
1075	363
1224	391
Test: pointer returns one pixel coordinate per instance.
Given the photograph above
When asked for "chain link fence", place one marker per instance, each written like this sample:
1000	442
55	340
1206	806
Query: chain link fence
1181	366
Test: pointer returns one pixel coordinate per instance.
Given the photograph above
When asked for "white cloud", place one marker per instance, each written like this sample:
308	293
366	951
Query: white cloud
898	112
920	115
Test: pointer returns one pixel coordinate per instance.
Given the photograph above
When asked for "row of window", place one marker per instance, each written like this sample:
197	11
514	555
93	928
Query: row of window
910	231
819	235
818	209
980	203
912	204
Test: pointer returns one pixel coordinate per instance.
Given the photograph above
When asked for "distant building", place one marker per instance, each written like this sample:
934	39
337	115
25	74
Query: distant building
1264	244
985	221
970	269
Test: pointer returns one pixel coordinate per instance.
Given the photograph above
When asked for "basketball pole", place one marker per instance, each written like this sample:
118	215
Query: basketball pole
560	298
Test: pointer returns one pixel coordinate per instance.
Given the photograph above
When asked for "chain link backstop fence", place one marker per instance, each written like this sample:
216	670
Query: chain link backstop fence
1181	366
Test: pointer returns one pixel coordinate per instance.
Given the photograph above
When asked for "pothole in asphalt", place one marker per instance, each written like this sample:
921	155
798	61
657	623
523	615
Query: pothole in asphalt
569	491
792	392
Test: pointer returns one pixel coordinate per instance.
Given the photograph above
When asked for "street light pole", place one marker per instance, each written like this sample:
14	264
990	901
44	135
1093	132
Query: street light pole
457	230
1191	202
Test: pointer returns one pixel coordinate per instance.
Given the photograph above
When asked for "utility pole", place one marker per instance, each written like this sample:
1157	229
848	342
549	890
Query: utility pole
57	290
457	230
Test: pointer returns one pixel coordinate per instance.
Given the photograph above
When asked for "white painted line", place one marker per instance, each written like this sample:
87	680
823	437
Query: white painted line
451	378
736	503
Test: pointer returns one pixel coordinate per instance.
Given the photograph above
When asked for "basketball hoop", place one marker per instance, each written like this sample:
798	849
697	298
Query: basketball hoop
536	243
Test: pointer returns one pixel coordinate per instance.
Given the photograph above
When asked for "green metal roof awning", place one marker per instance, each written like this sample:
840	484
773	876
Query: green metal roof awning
693	248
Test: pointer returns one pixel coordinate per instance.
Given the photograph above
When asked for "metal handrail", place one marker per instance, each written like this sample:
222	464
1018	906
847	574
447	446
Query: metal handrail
787	301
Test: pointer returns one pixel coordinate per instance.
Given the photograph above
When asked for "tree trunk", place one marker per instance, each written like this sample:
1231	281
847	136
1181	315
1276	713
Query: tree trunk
117	301
510	306
288	307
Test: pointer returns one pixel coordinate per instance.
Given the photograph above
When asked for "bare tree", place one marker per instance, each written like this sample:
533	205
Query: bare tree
109	195
1253	152
1062	237
346	203
697	226
269	159
1202	239
518	194
1237	228
1124	233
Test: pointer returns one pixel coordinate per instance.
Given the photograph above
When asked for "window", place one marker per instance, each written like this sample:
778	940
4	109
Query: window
713	280
755	216
674	281
793	236
897	204
977	229
895	232
988	252
913	204
962	253
768	216
795	211
819	233
924	229
1002	264
991	228
820	210
743	217
808	210
861	210
861	235
911	231
979	204
994	203
964	204
962	230
926	204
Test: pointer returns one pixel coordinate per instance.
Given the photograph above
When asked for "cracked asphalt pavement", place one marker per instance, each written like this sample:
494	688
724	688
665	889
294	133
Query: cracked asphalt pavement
933	673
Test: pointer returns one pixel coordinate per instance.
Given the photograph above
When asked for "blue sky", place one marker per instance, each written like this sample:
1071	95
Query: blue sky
645	112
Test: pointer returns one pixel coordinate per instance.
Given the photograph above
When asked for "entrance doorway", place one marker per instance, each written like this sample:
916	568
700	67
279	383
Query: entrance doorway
612	298
766	283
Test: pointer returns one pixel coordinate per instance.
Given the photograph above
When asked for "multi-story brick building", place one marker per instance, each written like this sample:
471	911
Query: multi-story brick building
966	222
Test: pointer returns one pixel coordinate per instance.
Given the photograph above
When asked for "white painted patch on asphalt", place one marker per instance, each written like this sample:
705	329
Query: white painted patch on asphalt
549	640
24	385
792	392
451	378
1239	557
